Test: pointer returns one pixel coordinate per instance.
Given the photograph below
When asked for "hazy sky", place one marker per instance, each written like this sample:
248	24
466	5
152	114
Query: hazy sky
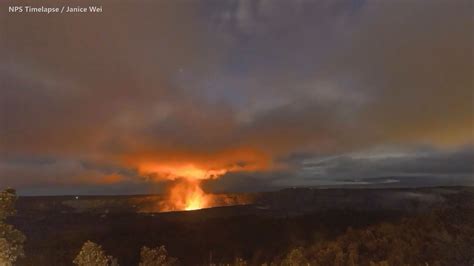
279	93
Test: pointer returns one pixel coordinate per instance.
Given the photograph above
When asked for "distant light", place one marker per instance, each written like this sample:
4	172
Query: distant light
77	197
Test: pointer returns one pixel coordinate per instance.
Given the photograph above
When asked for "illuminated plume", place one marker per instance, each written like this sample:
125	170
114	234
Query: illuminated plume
185	193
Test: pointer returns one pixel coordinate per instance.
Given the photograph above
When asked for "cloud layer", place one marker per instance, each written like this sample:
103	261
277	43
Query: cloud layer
259	87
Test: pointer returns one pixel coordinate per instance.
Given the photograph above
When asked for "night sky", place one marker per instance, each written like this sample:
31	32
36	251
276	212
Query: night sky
267	93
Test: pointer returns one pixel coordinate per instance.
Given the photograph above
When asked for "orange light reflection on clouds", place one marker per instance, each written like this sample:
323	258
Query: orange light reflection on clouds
188	171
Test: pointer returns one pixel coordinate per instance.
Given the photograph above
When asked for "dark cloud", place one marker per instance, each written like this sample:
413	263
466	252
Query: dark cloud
248	182
396	163
392	167
259	87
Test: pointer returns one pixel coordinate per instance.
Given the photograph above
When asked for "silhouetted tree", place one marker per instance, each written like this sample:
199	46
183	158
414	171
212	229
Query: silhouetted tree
92	254
11	239
295	258
156	257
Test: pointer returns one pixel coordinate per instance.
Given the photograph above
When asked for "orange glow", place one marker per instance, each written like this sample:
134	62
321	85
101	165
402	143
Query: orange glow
185	192
113	178
171	163
186	195
187	171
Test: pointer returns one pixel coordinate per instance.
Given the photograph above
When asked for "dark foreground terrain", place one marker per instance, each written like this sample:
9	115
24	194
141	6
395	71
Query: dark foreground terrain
429	226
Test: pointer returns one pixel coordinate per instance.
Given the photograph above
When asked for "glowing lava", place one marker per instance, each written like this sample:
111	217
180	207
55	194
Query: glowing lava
185	192
187	195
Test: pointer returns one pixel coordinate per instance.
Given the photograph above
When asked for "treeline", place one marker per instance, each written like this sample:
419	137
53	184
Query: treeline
442	237
92	254
11	239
